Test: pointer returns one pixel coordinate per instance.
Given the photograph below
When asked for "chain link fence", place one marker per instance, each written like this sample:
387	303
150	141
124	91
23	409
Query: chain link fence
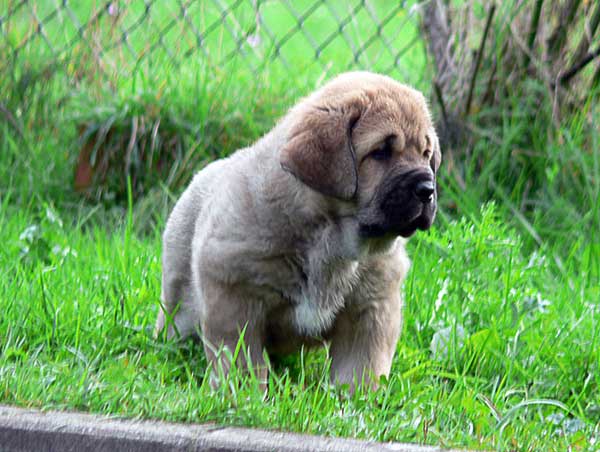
117	36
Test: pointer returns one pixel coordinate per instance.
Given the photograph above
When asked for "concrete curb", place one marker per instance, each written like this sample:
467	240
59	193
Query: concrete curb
25	430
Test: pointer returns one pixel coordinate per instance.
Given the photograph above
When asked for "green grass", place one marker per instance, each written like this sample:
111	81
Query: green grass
500	342
496	350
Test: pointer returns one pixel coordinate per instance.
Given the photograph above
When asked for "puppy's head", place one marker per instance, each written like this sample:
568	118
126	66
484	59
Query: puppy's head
368	140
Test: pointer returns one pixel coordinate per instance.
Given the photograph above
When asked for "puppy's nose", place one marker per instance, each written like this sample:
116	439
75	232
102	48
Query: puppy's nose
424	191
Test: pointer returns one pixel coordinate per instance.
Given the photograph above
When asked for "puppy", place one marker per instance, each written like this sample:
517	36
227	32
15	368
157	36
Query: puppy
300	238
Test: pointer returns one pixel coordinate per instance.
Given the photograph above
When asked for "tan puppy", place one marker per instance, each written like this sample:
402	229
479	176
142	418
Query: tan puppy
300	237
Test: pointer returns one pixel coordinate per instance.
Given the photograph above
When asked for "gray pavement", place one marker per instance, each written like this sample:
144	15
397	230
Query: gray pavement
25	430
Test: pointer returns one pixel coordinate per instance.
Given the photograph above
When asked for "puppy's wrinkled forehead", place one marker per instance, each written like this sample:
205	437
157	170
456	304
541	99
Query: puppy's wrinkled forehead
389	106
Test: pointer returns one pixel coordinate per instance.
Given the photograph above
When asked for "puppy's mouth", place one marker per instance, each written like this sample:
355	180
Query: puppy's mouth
422	221
407	204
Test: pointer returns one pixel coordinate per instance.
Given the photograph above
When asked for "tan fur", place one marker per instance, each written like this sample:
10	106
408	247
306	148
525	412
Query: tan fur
272	239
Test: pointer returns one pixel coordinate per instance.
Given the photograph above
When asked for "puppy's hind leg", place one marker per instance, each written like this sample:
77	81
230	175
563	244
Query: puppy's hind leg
179	302
180	309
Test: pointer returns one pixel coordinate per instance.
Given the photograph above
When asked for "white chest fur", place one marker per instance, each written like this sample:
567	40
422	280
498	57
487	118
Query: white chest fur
323	297
331	268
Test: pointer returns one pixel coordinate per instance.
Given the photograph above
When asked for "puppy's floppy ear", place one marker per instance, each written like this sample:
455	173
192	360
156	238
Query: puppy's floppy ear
319	150
436	157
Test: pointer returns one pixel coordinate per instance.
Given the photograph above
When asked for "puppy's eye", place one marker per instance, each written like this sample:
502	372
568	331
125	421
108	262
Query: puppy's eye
383	152
427	153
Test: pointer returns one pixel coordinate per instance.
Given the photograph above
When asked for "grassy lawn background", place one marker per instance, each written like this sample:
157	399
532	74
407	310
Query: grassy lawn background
496	349
500	340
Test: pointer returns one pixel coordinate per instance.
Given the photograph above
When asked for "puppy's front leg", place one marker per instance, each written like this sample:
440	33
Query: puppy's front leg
228	316
364	340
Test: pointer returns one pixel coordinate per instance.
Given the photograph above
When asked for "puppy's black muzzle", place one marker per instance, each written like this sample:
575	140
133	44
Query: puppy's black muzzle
424	190
405	202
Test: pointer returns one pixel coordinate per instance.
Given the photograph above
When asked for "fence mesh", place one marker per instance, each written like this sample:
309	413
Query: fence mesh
117	36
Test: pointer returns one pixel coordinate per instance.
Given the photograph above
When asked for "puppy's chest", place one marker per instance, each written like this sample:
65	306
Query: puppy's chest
320	293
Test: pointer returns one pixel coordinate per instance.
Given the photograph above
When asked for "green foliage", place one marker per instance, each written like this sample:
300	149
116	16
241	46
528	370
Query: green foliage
153	129
518	369
529	139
